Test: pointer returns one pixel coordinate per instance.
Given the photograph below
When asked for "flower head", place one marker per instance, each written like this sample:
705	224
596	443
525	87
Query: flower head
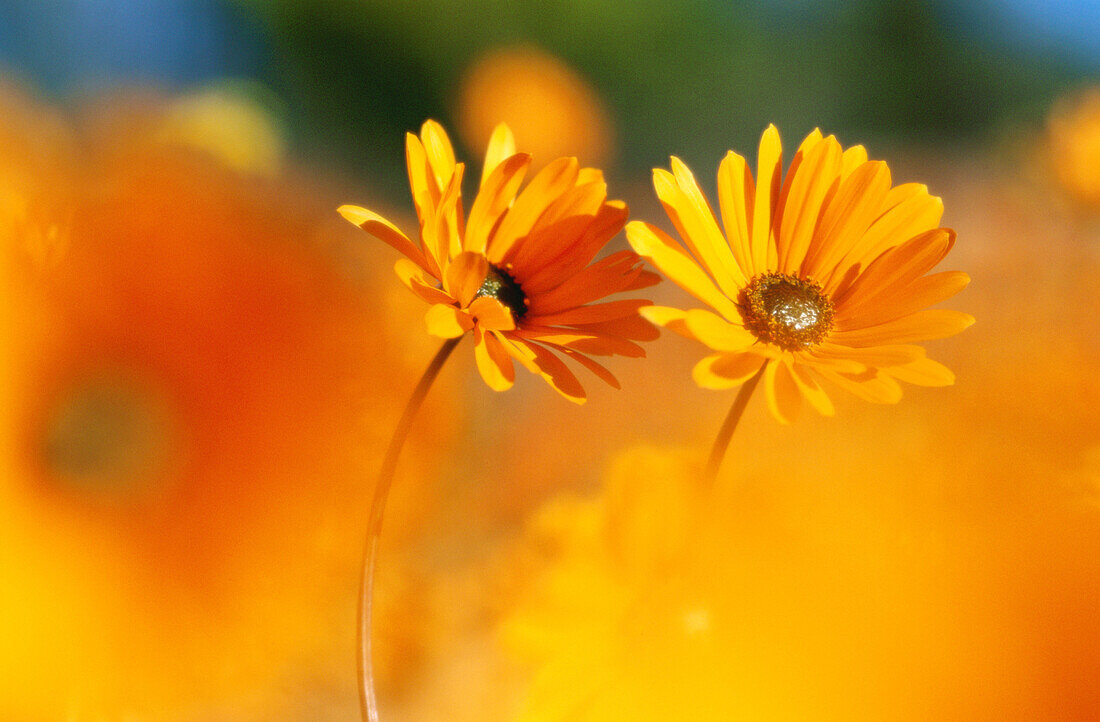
517	271
822	273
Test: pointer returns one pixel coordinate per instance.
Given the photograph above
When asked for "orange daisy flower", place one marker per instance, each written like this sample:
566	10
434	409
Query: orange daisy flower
517	271
820	275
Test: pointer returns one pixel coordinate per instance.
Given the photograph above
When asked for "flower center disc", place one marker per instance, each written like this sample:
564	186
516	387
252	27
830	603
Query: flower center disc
785	310
500	285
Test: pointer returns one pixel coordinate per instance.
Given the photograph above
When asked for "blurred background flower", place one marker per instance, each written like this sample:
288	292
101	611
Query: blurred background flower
195	400
197	396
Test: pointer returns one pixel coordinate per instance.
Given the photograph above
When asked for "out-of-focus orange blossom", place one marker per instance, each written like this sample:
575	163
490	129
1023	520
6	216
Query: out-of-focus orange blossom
1074	140
196	398
552	110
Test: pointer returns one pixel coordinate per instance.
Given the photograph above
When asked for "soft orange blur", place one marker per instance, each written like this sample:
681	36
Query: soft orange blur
200	379
551	109
1074	139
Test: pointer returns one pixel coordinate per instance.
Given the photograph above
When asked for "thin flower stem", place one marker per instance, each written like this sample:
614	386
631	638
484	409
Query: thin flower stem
722	441
368	703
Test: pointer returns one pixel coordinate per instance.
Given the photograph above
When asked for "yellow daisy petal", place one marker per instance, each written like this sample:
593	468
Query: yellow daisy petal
717	333
920	326
502	145
782	393
492	315
388	233
797	218
668	256
811	391
464	276
769	175
417	281
923	372
447	321
493	362
736	193
496	196
721	371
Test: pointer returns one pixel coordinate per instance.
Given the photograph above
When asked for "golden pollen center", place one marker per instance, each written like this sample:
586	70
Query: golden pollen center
789	312
500	285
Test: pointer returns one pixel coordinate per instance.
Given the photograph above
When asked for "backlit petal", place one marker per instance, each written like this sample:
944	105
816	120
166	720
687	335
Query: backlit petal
668	256
493	362
447	321
720	371
782	393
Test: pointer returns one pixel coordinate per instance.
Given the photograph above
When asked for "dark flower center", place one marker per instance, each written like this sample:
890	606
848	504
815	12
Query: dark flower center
787	311
500	285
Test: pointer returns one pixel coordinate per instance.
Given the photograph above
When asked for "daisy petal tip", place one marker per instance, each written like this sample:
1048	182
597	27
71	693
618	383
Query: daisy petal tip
354	214
661	315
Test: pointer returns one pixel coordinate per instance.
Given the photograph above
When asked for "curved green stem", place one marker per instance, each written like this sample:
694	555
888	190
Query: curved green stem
368	703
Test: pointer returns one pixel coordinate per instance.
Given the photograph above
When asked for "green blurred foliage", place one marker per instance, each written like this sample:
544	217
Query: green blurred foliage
692	78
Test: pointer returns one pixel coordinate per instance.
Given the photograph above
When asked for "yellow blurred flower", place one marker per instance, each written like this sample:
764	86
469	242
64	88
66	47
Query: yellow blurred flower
1074	139
653	602
181	470
518	271
553	110
819	275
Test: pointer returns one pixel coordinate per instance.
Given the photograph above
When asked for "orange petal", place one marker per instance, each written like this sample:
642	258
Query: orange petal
923	372
873	356
440	232
717	333
797	218
847	217
810	389
502	145
555	336
418	282
422	183
920	326
496	196
608	222
547	185
386	232
465	275
782	393
736	193
607	276
694	220
560	227
667	317
441	156
493	362
853	158
877	388
607	346
893	270
449	217
919	294
592	313
768	176
492	315
635	328
910	212
721	371
447	321
671	259
596	368
556	373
